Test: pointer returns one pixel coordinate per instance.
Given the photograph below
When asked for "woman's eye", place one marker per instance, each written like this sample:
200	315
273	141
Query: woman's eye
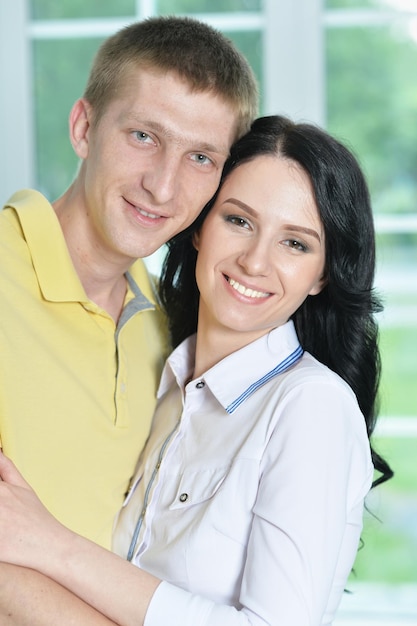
238	221
295	245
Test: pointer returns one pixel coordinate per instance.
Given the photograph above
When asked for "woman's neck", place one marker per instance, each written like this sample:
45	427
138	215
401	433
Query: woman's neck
216	343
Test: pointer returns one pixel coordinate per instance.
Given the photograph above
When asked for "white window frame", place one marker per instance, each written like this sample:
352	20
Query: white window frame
17	150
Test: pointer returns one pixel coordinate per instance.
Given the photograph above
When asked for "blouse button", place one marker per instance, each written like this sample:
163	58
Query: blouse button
184	497
200	384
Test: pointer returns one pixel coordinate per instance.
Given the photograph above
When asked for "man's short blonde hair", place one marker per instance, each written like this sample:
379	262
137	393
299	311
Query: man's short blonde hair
198	53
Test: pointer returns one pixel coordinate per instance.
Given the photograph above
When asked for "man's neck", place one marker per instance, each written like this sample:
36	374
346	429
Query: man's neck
103	278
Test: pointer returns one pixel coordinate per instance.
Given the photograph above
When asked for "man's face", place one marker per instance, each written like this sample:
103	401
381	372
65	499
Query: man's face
152	162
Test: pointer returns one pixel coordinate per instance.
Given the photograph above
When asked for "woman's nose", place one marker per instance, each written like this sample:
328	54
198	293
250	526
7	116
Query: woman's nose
255	258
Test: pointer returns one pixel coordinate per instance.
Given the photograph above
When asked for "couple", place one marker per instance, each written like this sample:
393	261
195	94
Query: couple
246	506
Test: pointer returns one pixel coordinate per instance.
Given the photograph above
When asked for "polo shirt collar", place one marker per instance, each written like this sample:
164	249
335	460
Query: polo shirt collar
51	260
240	374
57	278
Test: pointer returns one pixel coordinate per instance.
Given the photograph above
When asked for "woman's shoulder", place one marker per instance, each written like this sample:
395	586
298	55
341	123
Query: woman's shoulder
311	389
310	371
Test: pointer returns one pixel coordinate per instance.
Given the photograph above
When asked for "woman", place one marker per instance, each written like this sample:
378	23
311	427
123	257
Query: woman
247	502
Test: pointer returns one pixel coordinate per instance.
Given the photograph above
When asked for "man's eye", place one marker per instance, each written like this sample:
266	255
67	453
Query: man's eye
142	136
202	159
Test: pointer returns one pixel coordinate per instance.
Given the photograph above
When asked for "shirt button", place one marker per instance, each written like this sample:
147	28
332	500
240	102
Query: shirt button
184	497
200	384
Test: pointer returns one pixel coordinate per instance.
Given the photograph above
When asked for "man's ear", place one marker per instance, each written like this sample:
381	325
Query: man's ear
79	126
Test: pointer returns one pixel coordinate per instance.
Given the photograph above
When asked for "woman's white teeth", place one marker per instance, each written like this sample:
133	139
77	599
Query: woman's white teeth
245	291
146	214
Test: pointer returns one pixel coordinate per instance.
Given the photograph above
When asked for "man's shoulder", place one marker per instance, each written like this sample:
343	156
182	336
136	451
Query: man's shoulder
27	198
26	208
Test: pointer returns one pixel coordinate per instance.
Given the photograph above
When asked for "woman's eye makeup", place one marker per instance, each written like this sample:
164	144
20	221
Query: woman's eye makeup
237	220
296	245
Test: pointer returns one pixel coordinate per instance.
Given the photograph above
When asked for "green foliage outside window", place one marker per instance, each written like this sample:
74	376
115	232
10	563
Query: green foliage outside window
372	105
61	72
51	9
166	7
390	531
76	9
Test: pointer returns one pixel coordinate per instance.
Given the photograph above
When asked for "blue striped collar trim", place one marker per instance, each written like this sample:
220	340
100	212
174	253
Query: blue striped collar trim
281	367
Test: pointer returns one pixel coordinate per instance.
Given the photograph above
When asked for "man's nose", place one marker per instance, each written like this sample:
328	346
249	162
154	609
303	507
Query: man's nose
162	178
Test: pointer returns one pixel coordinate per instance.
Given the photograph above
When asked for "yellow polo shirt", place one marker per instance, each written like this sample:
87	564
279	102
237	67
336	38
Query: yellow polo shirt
77	392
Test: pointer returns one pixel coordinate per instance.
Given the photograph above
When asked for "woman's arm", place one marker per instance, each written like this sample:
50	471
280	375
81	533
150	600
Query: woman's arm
28	598
31	537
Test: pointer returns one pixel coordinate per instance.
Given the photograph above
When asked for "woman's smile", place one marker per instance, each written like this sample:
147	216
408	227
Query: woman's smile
261	249
248	292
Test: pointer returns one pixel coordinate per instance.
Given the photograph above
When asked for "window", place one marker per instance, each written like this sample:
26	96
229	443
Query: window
370	52
346	64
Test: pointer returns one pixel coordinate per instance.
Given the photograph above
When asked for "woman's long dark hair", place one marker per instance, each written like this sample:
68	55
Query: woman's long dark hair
338	325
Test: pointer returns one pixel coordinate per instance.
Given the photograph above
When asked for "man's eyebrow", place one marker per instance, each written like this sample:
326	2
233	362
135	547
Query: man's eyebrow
248	209
166	132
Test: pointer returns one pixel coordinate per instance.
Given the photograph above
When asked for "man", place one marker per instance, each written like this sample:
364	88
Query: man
82	338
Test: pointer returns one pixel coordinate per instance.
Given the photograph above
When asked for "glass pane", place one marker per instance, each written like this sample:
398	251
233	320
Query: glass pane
250	44
53	10
61	69
372	104
347	4
390	536
371	4
207	6
398	396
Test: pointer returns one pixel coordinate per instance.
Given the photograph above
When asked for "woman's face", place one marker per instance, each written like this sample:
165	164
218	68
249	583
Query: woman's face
261	249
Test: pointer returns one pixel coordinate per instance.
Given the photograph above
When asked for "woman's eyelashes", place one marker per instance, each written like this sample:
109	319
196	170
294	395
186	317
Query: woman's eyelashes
237	220
291	242
296	244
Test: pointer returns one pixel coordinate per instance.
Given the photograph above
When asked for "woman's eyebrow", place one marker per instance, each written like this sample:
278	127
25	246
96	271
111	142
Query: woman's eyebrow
241	205
293	227
305	230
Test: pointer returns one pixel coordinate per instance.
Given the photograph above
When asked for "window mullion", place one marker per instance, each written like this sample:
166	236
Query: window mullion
294	67
16	99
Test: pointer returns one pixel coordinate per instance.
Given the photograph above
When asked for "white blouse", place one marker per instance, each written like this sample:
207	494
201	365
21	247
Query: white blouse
248	497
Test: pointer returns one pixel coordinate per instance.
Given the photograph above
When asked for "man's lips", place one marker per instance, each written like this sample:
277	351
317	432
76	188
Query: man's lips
147	214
